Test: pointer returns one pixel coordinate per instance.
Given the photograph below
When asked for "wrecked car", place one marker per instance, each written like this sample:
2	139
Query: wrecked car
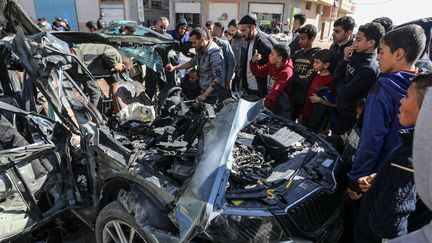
229	172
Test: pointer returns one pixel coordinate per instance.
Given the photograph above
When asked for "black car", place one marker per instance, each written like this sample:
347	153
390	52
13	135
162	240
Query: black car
228	172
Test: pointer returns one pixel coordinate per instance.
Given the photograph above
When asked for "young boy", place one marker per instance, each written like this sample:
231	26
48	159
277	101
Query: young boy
355	74
390	195
399	50
321	65
190	84
304	72
280	69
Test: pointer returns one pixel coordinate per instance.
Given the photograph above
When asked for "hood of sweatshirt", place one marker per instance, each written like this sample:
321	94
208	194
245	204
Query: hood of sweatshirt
422	152
396	84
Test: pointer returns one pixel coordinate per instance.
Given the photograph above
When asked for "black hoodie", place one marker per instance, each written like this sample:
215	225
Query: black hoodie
353	80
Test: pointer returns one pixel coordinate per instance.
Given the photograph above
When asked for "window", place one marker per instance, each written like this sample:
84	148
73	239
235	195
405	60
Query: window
308	6
146	3
156	4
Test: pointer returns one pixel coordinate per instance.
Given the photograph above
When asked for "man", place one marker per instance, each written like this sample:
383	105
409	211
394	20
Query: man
129	30
209	26
43	24
180	32
228	54
91	26
299	20
237	45
162	27
210	63
60	25
101	23
100	59
342	37
257	41
218	31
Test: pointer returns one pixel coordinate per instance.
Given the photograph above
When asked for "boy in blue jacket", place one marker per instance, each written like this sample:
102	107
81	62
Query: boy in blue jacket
398	52
387	204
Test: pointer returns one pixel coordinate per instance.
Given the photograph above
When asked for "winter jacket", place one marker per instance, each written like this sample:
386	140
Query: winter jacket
100	59
281	77
304	73
210	67
229	59
353	81
294	45
387	204
237	43
422	157
263	44
338	53
380	124
317	83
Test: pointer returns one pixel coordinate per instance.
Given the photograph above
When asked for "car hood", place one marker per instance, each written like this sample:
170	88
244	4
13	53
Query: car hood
201	200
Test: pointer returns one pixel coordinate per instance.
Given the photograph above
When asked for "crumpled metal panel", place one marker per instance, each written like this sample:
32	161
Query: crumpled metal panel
196	206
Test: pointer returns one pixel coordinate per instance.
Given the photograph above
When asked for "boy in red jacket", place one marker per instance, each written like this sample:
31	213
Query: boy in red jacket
322	65
280	70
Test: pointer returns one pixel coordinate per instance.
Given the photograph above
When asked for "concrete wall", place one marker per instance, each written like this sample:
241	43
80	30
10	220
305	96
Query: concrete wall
86	10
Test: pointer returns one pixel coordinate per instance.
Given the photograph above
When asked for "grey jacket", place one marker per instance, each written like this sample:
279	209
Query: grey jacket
210	63
422	163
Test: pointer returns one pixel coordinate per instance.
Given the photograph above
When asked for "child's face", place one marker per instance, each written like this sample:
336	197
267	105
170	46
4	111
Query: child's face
193	77
318	65
385	58
409	107
273	57
361	43
305	41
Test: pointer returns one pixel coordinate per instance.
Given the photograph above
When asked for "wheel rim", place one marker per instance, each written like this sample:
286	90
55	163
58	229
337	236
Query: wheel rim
120	232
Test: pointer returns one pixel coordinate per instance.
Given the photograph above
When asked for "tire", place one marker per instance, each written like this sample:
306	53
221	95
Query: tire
113	220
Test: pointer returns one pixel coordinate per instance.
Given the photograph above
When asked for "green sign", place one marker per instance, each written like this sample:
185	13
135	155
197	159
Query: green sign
265	22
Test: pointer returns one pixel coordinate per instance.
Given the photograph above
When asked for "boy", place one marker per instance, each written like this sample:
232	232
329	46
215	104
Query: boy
388	202
399	50
304	72
190	85
355	75
280	69
321	65
342	37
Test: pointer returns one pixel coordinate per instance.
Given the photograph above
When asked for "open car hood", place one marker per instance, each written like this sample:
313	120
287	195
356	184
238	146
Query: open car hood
201	200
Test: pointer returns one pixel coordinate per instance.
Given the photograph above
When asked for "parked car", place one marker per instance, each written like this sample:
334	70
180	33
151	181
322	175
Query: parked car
228	172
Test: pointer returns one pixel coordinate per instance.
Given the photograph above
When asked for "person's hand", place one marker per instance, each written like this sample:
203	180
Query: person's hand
315	98
353	195
169	67
365	182
256	57
348	51
119	67
201	98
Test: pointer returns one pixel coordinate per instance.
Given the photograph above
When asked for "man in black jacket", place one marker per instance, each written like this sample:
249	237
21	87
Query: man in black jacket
342	37
299	20
257	41
355	74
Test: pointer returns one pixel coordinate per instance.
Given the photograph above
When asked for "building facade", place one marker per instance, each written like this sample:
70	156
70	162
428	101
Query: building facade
321	13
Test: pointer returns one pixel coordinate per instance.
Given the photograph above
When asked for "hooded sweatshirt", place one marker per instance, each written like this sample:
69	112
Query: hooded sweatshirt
380	124
353	81
422	157
281	78
182	39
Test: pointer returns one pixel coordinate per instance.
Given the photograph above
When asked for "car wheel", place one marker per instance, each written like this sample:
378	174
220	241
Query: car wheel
114	224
